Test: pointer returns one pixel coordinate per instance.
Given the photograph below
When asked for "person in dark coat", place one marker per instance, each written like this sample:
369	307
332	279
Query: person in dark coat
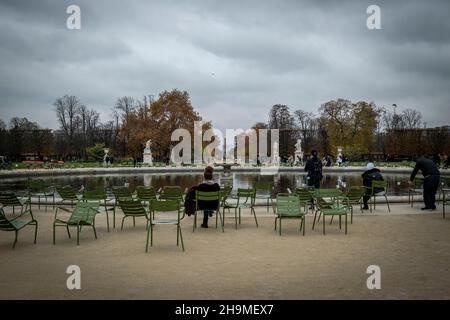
368	176
208	185
431	175
314	168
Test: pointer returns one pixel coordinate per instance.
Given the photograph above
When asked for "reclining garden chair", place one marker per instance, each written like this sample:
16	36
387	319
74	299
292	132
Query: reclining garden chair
17	225
68	195
100	197
10	199
120	193
339	206
245	199
83	214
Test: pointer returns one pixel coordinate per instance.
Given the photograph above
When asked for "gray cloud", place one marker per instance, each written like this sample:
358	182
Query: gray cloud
235	58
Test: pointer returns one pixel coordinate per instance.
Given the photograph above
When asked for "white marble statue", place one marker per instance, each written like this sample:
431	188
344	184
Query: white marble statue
147	156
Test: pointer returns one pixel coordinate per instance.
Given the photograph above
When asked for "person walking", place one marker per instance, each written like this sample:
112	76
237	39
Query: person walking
431	174
314	169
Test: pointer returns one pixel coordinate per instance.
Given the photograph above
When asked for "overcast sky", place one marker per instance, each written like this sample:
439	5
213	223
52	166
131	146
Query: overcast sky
235	58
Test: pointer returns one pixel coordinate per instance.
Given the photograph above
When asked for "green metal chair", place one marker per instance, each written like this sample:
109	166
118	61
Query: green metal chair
100	197
378	185
339	206
172	193
17	225
444	187
245	199
83	214
288	207
304	197
324	198
10	199
264	191
415	189
134	209
157	208
207	196
41	189
355	197
146	194
68	195
120	193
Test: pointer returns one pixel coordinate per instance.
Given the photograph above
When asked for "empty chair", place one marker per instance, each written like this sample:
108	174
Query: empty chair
158	208
83	214
355	197
288	207
245	199
305	197
338	206
264	191
134	209
172	193
41	189
120	193
10	199
146	194
16	224
100	197
68	195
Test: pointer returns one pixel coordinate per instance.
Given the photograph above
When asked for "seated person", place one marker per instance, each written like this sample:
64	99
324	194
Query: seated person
368	176
208	185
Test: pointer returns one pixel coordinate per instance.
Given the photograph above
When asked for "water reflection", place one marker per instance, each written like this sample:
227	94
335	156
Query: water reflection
398	183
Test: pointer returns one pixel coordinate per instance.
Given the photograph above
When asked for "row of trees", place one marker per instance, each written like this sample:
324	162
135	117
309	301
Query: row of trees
359	127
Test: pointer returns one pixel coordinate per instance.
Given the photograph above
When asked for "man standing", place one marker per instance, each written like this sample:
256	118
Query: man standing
431	181
314	169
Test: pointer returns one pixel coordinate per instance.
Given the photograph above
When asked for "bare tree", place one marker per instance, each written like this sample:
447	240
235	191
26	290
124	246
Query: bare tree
412	119
67	113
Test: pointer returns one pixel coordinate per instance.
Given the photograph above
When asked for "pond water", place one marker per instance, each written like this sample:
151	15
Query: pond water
398	183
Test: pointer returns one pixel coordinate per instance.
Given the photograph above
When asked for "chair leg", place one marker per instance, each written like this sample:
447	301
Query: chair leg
323	221
178	236
134	221
340	222
15	238
239	215
387	202
78	235
107	218
121	228
314	221
254	215
54	234
304	225
151	235
194	224
148	235
345	224
35	231
95	232
181	237
68	231
351	214
235	217
276	218
331	221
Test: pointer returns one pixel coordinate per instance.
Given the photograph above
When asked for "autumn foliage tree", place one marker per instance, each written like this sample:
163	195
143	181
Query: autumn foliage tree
157	121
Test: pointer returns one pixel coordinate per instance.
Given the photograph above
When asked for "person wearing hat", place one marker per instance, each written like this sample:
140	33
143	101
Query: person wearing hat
368	176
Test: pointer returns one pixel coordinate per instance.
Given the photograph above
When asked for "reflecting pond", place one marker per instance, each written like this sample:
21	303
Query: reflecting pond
398	183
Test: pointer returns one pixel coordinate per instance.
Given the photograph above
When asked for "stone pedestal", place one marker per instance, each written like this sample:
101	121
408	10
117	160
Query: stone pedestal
147	156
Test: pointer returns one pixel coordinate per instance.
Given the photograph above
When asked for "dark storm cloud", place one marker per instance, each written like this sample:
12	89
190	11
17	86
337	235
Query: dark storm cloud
235	58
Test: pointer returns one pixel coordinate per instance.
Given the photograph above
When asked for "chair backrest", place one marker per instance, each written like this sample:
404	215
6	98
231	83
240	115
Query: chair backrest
122	193
146	193
84	211
263	186
5	225
327	193
287	204
96	195
132	207
172	193
225	193
304	194
9	199
379	184
38	185
66	193
247	194
165	205
207	196
355	193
